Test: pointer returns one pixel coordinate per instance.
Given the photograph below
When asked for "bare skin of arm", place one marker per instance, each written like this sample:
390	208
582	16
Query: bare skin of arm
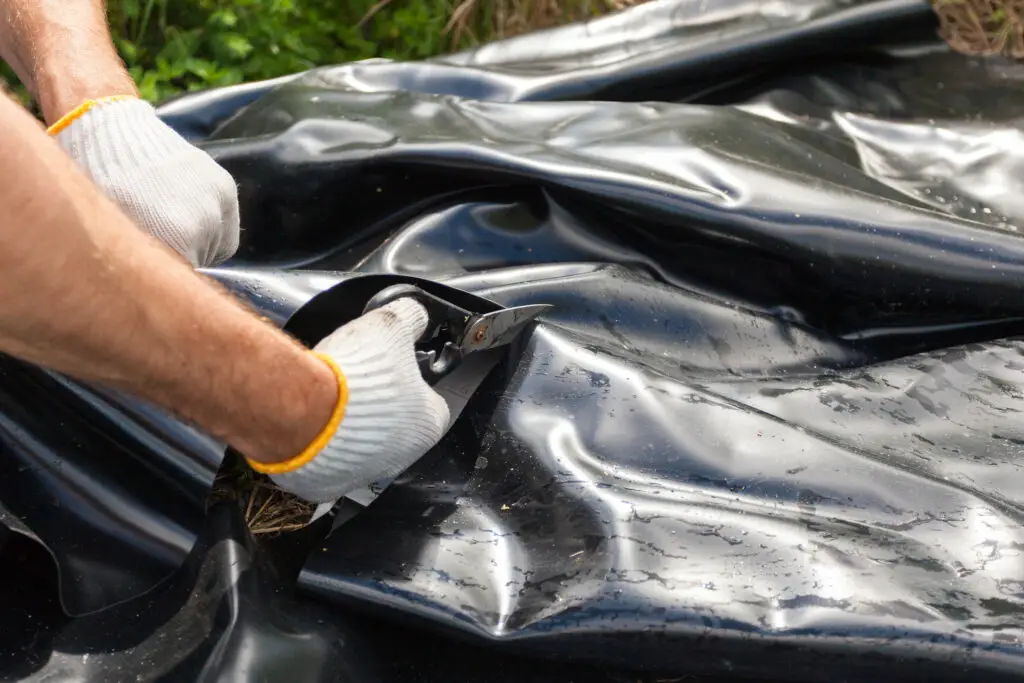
85	293
62	52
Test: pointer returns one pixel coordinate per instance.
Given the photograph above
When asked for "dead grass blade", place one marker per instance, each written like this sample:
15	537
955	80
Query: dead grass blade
381	4
267	509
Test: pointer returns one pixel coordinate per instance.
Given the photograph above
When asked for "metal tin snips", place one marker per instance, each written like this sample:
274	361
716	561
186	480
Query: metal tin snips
454	331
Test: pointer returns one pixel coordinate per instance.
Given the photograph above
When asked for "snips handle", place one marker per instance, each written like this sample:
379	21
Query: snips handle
441	352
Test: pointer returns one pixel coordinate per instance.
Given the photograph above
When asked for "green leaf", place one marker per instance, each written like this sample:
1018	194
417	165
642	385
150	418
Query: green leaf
127	49
129	9
235	46
223	18
149	86
199	67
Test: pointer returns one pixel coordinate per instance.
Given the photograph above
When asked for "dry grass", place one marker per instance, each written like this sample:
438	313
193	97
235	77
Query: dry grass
983	27
269	511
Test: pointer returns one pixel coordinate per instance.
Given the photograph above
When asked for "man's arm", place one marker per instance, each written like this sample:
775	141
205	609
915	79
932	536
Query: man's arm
84	293
62	51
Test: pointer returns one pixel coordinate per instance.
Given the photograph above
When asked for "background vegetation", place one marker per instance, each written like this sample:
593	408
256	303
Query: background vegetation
173	46
179	45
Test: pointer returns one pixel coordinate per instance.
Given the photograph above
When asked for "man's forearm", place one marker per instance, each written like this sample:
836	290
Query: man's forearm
62	51
83	292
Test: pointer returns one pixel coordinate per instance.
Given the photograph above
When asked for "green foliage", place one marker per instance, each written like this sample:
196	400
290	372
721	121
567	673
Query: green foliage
174	46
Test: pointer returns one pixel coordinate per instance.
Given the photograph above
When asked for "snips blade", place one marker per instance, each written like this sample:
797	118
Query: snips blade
499	328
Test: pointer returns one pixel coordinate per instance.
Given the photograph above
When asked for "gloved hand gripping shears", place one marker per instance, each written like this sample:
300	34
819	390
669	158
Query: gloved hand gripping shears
453	333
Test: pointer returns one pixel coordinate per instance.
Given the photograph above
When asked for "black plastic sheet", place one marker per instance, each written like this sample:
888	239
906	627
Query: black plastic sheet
770	429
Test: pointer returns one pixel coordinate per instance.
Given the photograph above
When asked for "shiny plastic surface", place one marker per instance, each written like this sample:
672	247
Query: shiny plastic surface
221	616
771	427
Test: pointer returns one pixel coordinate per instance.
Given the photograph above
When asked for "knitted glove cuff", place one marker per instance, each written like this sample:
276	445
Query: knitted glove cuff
94	134
391	418
80	111
171	189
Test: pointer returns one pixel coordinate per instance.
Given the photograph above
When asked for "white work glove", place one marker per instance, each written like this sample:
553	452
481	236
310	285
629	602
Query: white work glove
168	187
392	417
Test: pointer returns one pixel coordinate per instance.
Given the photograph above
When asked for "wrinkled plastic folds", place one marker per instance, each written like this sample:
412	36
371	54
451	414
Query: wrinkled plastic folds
771	428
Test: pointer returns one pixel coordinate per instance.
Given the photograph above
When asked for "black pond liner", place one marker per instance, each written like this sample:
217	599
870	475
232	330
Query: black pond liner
770	431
